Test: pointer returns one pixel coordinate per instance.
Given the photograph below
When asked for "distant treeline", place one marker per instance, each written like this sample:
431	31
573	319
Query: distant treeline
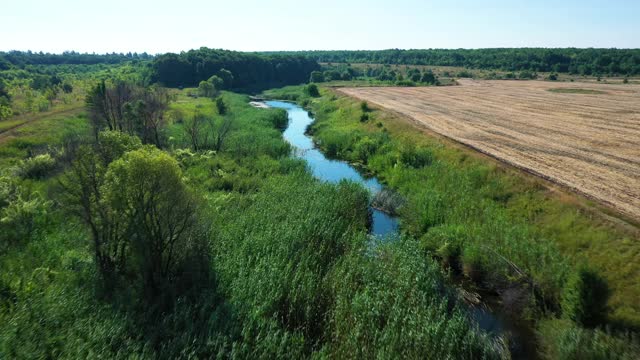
566	60
248	69
22	58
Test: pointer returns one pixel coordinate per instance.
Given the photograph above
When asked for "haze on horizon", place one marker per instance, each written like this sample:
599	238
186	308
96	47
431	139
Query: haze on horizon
250	25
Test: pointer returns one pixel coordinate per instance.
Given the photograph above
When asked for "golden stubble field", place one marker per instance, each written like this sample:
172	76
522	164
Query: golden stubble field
589	142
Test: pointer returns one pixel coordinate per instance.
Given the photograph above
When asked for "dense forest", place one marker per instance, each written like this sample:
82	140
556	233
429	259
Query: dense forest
251	70
23	58
570	60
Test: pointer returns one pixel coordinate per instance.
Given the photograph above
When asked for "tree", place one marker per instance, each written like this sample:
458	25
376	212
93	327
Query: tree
195	130
316	77
428	78
83	194
67	88
221	106
227	78
144	193
211	88
206	89
138	208
312	90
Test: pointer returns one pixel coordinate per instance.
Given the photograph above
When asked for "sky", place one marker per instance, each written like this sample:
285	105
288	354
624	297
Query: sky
251	25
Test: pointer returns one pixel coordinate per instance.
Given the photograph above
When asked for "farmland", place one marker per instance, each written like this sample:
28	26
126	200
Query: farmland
584	136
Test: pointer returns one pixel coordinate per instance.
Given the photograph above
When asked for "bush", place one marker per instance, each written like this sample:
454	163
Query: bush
364	117
312	90
279	119
21	217
221	106
585	297
36	167
552	77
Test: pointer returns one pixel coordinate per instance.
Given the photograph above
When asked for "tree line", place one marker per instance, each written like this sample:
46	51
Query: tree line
563	60
24	58
249	69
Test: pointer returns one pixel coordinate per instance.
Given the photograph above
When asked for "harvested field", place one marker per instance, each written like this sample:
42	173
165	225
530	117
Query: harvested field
586	139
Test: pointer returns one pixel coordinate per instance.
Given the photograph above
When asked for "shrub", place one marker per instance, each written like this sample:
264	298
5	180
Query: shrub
312	90
585	296
626	80
279	119
21	217
221	106
364	106
364	117
36	167
552	77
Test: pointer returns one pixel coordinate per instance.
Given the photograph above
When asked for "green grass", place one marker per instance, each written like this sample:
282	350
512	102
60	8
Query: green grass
8	124
292	272
40	136
577	91
469	202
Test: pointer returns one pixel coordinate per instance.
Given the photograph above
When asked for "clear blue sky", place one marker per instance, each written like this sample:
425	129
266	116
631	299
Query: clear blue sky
252	25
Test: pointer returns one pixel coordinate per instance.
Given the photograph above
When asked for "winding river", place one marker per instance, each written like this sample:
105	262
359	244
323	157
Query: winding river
489	318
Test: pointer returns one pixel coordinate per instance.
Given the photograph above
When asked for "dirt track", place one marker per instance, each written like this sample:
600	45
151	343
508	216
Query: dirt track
587	142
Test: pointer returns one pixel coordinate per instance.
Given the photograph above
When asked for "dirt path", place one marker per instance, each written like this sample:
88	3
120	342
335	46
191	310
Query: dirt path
587	142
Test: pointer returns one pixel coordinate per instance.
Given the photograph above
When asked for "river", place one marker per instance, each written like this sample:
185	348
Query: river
488	317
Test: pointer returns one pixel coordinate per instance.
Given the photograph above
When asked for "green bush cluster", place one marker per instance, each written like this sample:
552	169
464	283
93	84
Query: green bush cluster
36	167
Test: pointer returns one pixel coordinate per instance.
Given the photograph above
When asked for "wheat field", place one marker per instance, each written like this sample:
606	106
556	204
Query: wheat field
585	136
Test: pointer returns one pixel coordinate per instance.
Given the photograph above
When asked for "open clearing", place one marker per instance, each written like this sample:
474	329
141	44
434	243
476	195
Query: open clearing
586	140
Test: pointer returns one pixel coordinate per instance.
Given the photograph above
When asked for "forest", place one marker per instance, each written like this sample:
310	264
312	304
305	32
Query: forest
567	60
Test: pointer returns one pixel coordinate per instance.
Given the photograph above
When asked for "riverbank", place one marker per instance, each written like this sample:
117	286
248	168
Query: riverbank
505	231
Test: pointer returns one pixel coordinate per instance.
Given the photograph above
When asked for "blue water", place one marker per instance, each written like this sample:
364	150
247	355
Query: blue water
327	169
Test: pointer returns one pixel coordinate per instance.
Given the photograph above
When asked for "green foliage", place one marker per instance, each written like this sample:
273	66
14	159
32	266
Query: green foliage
227	78
221	106
552	77
562	339
393	302
428	77
316	77
152	211
572	60
249	70
585	296
312	90
36	167
113	144
21	214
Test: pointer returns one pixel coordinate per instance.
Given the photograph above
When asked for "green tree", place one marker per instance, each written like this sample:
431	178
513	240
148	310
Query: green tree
316	77
312	90
144	193
227	78
206	89
428	78
221	106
